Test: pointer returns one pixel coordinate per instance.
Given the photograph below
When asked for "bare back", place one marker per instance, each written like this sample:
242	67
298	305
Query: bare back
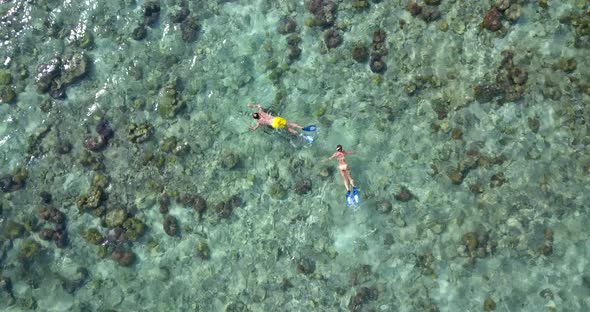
265	118
340	156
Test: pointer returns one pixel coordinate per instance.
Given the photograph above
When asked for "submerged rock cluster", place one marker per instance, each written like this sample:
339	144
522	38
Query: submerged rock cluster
509	85
60	72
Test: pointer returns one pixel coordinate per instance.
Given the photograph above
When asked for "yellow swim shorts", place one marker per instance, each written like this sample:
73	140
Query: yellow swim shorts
278	122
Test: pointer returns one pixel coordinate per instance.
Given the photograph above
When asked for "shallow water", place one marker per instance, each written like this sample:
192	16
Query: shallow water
471	157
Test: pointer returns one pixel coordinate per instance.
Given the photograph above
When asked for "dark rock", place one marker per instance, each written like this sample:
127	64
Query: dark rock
360	53
303	186
139	133
286	25
9	184
469	240
546	249
151	13
513	93
362	296
503	78
94	143
293	54
171	226
45	197
72	68
384	206
7	95
518	75
46	73
332	38
314	6
546	293
377	65
360	275
5	284
486	92
230	160
6	183
413	8
139	33
60	238
429	14
13	230
56	216
548	234
60	226
513	12
200	205
507	58
104	130
456	133
489	304
404	195
58	94
224	209
305	266
123	257
203	250
71	286
63	147
44	213
324	12
388	239
285	284
379	49
502	4
180	15
190	29
491	20
293	40
235	201
379	36
534	124
164	204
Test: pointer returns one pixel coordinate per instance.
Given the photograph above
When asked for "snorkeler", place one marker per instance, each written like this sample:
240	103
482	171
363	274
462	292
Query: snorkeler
276	122
353	198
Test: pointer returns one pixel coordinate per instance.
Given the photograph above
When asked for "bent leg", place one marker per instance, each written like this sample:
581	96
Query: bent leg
292	130
344	180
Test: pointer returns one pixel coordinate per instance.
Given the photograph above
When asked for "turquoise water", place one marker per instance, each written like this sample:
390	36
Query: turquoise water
131	182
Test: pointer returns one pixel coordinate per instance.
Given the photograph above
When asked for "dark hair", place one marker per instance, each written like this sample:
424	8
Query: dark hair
255	116
339	148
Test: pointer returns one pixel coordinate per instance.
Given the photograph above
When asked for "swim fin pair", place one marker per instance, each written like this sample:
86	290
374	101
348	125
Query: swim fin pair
353	198
308	137
310	128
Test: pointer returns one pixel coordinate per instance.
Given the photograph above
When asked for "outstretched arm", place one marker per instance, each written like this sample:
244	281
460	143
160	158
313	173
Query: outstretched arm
260	110
331	157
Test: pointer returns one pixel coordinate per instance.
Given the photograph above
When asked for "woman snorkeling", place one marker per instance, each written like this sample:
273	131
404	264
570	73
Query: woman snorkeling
351	198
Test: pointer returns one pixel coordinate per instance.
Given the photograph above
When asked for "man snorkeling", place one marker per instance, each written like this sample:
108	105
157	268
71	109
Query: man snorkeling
276	122
353	198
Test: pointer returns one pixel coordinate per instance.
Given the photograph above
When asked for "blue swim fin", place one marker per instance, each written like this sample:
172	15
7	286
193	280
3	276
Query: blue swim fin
349	200
356	198
308	137
310	128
